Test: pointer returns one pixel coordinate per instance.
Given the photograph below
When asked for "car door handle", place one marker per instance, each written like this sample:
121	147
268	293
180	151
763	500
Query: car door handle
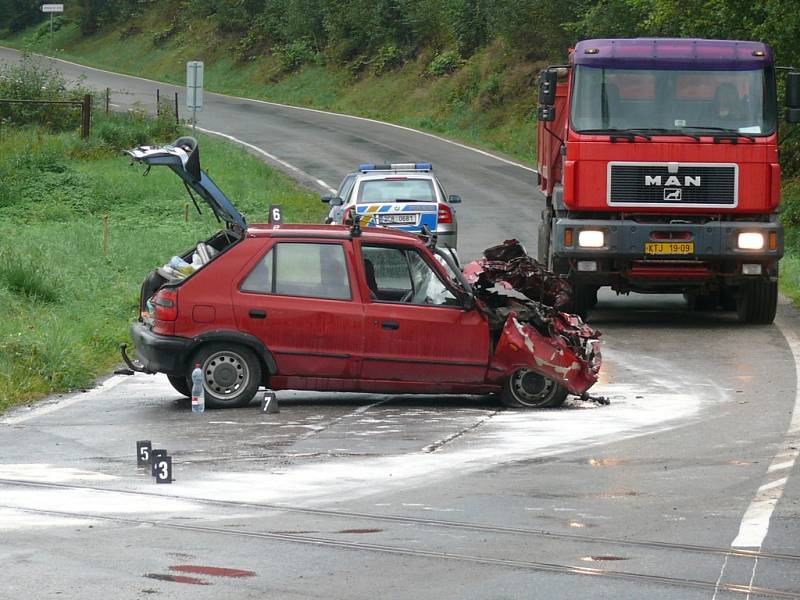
390	325
258	314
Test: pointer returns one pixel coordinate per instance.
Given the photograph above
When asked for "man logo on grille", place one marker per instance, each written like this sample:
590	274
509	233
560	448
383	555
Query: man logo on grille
673	194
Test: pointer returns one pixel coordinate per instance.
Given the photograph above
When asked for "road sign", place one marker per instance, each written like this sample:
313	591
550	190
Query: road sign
52	8
194	85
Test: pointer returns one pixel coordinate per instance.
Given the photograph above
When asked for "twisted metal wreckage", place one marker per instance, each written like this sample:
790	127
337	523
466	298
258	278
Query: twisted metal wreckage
521	300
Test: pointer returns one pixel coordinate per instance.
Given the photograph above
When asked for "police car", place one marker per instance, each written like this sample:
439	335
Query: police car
405	196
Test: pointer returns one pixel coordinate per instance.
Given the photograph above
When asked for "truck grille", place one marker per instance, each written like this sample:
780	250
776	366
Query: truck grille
689	184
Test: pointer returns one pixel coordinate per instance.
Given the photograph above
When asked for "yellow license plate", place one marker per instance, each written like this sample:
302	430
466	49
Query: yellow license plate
669	248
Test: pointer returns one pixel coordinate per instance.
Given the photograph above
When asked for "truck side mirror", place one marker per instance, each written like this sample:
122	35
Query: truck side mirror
546	113
793	98
548	79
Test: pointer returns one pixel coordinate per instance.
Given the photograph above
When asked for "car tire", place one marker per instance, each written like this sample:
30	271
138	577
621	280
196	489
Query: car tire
181	385
526	389
758	302
231	374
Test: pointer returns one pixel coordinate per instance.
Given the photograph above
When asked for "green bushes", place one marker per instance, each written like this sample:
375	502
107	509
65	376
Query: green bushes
444	63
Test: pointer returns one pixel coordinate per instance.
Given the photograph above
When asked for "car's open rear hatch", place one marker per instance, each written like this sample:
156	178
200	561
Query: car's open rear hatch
183	157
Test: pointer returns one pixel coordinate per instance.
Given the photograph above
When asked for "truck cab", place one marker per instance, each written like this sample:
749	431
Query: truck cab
658	159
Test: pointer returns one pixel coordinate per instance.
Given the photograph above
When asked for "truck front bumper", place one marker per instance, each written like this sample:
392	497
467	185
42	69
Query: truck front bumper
702	252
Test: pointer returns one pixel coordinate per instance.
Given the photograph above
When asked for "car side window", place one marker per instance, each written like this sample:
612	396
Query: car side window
301	269
346	187
399	275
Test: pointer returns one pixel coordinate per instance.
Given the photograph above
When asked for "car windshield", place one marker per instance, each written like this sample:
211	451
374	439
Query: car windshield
669	101
396	190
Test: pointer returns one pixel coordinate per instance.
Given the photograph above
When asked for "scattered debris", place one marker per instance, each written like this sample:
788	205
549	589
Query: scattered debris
521	299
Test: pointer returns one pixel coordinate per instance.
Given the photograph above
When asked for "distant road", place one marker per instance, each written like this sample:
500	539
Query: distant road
501	199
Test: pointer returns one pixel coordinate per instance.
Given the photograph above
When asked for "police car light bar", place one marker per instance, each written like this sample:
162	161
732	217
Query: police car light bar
396	167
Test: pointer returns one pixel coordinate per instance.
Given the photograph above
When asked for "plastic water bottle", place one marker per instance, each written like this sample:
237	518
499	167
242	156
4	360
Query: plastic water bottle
198	392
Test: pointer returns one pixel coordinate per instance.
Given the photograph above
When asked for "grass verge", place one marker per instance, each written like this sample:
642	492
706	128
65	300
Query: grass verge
67	305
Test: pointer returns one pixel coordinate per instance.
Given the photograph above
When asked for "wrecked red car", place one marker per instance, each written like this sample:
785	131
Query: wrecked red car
334	308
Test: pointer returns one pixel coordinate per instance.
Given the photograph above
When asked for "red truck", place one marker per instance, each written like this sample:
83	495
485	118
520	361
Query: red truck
658	159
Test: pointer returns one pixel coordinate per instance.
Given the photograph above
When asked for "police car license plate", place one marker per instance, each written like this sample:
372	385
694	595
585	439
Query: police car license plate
398	219
669	248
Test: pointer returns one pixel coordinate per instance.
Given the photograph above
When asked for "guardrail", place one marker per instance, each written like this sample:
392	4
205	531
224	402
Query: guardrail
85	106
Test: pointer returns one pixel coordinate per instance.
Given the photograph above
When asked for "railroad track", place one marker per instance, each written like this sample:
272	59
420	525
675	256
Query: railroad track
306	538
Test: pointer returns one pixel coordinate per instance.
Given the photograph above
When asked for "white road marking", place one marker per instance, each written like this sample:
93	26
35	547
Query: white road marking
271	157
21	415
303	108
755	522
780	466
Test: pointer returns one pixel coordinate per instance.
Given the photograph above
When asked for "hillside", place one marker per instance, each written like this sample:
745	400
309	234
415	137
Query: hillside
462	68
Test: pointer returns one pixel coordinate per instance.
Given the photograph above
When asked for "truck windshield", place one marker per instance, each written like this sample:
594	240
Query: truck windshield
668	101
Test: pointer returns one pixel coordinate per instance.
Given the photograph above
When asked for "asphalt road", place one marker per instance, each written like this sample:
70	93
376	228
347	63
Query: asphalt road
684	487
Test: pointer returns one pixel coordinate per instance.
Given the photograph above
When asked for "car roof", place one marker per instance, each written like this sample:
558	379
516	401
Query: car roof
341	232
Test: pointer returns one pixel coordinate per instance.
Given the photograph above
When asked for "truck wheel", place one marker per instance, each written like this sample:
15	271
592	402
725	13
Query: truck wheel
702	302
727	299
583	298
180	384
757	302
231	374
526	389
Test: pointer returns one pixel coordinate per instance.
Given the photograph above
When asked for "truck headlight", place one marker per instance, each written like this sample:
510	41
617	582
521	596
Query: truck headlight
750	240
591	238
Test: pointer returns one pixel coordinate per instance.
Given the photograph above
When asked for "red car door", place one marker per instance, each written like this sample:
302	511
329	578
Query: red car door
416	329
298	299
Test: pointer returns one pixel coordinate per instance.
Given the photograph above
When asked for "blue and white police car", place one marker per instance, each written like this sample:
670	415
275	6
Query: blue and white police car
404	196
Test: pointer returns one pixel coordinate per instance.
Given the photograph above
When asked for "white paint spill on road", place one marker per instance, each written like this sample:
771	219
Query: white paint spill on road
13	519
21	415
646	408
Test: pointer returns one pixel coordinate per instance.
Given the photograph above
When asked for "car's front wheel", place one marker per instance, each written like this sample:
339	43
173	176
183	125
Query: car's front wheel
231	374
526	389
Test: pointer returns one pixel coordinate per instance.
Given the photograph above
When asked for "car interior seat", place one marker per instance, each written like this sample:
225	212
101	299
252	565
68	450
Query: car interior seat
369	269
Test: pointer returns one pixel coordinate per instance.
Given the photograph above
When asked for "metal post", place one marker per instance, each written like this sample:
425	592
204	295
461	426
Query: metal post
108	98
86	113
105	236
158	102
194	120
177	120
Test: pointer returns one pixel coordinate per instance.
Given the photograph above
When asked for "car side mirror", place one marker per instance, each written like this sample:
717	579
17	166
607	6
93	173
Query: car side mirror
454	199
333	200
793	98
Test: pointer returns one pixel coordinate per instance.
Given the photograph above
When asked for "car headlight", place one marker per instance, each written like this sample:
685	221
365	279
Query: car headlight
591	238
750	240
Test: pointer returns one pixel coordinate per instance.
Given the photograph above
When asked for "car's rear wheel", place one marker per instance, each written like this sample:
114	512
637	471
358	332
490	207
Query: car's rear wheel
180	384
231	374
526	389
